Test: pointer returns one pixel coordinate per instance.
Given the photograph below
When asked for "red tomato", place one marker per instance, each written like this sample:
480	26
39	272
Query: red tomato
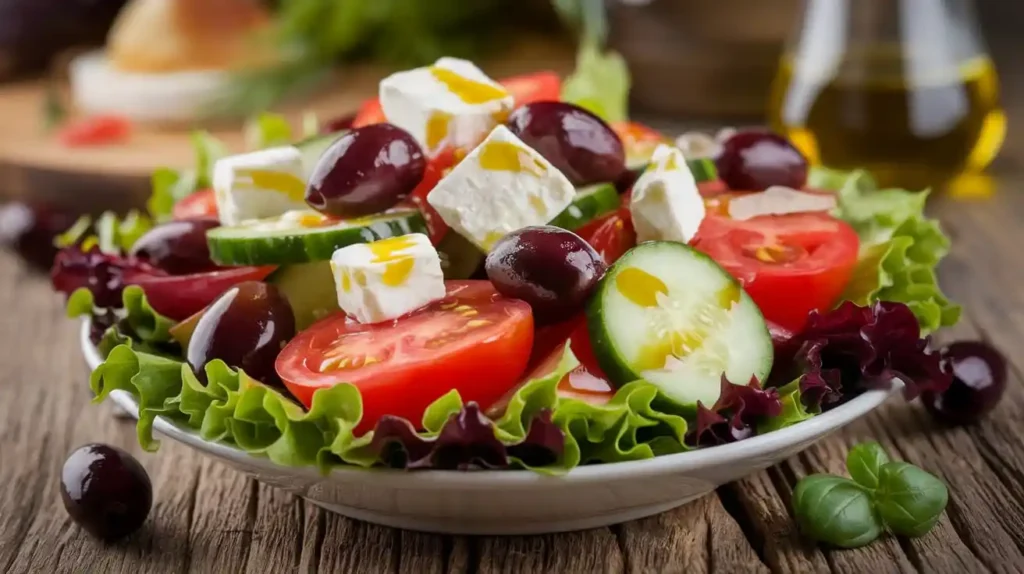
536	87
437	167
638	139
369	113
95	130
611	235
181	296
789	264
200	203
402	366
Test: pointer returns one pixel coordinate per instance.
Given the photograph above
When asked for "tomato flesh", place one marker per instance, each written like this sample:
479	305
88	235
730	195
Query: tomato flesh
369	113
181	296
437	167
789	264
611	235
536	87
200	203
96	131
473	341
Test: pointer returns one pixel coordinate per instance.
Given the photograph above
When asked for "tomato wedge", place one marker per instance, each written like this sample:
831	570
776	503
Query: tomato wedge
789	264
437	167
95	131
181	296
474	341
201	203
369	113
611	235
536	87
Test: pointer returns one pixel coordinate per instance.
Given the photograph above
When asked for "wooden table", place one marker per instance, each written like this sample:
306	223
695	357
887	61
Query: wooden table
209	518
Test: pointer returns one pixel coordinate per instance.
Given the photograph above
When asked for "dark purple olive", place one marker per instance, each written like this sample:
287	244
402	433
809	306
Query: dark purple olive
246	327
979	380
578	143
552	269
30	230
178	247
106	491
755	160
366	171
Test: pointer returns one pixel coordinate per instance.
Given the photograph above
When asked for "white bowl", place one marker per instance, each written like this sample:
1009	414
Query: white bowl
521	502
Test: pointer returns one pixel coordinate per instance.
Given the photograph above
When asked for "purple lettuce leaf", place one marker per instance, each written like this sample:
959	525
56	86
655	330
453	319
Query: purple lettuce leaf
850	349
735	414
466	441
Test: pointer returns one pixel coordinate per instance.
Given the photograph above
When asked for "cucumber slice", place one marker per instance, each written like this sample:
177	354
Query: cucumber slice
309	288
590	203
459	258
702	168
303	236
314	147
670	315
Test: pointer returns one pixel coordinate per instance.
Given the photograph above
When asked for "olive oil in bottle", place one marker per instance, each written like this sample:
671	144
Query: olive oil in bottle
902	88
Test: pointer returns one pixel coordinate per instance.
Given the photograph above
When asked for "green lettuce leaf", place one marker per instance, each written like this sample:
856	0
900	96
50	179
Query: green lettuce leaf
267	130
600	83
140	320
112	235
637	423
169	186
900	247
793	410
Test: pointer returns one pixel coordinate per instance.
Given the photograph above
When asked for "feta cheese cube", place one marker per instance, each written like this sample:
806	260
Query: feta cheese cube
501	186
451	103
386	279
259	184
666	205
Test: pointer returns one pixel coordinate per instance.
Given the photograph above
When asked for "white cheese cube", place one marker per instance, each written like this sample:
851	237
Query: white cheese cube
779	200
260	184
389	278
666	205
501	186
451	103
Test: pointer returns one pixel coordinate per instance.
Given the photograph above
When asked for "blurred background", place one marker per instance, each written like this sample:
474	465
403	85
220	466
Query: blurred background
97	94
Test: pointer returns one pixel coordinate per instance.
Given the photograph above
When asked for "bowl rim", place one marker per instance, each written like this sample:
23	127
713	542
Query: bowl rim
728	454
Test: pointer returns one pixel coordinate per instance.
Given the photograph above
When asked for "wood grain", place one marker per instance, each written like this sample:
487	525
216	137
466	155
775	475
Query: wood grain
208	518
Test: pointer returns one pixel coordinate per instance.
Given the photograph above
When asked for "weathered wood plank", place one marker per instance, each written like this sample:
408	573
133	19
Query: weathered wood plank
697	537
594	550
358	547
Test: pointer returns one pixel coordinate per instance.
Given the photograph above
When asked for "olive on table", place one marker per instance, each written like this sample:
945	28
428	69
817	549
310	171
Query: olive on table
979	381
178	247
366	171
754	160
246	327
578	143
552	269
106	491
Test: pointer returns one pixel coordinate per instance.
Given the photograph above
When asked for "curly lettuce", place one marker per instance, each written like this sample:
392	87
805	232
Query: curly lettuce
169	186
900	247
600	83
138	320
538	429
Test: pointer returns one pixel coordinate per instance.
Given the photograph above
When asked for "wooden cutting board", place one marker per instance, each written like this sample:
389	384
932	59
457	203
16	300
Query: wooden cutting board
34	165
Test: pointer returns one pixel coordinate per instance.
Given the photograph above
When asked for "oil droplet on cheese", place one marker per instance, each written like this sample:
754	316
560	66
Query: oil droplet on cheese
491	238
507	156
670	163
346	281
538	205
398	266
278	181
467	90
437	129
640	287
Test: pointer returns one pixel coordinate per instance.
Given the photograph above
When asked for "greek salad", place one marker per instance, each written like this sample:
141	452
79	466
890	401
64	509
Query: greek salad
478	273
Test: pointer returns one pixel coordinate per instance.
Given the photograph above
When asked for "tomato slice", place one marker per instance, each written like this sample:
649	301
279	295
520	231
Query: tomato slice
201	203
536	87
611	235
638	140
95	131
789	264
474	341
369	113
437	167
181	296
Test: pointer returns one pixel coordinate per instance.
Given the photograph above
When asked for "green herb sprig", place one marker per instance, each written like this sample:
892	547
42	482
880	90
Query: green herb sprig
882	495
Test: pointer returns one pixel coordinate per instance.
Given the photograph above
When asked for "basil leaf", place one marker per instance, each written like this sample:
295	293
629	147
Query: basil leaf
835	510
909	500
864	462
